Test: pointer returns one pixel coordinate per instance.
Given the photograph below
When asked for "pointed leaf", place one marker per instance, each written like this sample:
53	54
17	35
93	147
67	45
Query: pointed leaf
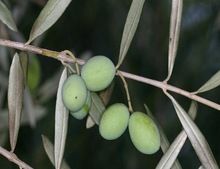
175	22
164	140
15	98
106	94
97	108
169	158
212	83
193	110
48	147
130	28
6	17
195	136
48	16
61	124
89	122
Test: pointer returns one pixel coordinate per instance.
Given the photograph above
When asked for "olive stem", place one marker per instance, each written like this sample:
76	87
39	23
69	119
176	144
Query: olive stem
74	60
126	90
13	158
155	83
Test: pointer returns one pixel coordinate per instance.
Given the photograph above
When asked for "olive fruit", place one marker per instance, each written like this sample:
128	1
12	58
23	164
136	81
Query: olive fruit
74	92
98	72
114	121
81	113
144	133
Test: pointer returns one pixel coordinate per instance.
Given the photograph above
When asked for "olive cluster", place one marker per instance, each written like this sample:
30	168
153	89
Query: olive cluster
96	75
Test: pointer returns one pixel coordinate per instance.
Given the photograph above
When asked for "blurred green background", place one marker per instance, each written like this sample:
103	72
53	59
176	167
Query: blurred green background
92	27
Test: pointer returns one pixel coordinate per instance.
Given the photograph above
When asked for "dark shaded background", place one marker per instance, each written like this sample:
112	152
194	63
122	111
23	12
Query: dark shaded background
96	27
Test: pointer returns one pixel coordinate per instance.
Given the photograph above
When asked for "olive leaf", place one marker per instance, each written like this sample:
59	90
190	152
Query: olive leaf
89	122
6	17
175	22
15	98
170	156
212	83
193	110
195	136
105	95
130	28
97	108
163	138
48	147
48	16
61	123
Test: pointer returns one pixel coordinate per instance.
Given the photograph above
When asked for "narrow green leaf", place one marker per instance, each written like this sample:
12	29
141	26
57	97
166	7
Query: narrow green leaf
48	16
130	28
195	136
164	140
48	147
6	17
169	158
212	83
61	124
97	108
15	98
175	22
89	122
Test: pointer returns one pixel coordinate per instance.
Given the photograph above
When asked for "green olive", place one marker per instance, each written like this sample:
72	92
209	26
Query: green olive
74	93
114	121
81	113
144	133
98	73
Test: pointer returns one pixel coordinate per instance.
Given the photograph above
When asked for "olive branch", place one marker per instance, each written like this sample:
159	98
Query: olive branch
63	57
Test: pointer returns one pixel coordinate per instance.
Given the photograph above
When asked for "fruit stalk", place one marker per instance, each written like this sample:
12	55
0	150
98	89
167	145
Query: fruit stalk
126	90
63	58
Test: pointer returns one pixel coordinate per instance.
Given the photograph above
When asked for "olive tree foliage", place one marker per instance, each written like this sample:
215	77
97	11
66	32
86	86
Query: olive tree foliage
20	99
